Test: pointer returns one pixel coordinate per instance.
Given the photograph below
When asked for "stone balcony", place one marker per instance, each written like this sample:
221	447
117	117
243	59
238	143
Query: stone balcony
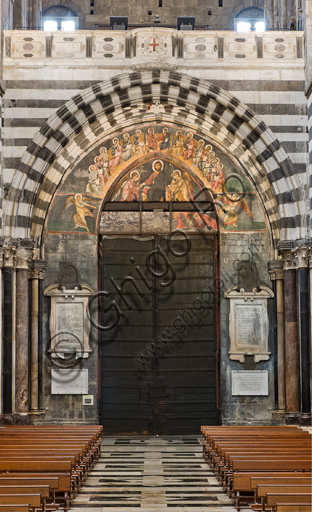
147	46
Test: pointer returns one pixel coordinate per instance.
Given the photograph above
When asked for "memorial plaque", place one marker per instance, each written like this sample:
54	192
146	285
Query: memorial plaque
250	383
69	382
248	324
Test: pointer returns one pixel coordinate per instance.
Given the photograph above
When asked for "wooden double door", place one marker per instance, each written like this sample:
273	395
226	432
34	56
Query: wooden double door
158	340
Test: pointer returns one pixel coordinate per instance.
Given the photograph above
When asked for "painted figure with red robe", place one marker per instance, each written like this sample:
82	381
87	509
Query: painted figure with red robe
116	154
151	140
189	146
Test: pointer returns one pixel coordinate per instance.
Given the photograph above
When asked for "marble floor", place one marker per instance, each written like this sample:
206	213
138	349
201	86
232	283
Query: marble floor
152	474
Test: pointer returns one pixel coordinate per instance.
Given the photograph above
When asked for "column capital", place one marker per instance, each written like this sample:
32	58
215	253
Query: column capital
9	256
275	269
301	253
37	269
23	258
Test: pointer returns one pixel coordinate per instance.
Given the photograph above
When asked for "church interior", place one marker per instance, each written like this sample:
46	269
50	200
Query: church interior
155	245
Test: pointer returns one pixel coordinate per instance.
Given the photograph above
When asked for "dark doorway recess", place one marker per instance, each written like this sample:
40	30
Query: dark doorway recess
148	386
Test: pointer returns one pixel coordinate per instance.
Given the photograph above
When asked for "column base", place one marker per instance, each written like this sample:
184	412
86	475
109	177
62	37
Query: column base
14	419
278	417
37	416
302	419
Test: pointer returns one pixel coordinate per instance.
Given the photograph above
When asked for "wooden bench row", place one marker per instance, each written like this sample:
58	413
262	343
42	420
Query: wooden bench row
41	467
280	457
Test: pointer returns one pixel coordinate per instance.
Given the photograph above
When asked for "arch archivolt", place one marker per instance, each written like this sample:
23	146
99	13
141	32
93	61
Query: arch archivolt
164	97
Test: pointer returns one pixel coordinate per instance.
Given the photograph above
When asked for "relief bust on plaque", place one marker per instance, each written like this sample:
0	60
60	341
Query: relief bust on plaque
249	323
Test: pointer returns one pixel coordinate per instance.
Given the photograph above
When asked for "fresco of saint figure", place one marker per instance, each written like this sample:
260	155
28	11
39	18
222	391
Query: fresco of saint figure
189	147
180	188
208	163
229	212
165	140
129	187
157	167
199	150
177	149
151	140
116	154
127	147
217	181
103	160
82	210
204	157
139	144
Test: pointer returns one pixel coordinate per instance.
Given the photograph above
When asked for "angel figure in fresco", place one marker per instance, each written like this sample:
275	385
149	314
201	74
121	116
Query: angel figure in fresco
180	188
228	210
116	154
126	147
129	187
157	166
82	210
165	140
177	149
199	150
189	147
151	140
139	144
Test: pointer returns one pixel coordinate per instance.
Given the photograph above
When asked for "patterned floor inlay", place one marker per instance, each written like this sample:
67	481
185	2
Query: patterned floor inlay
152	474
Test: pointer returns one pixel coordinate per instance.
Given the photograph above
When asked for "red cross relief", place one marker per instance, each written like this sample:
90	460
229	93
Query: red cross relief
154	44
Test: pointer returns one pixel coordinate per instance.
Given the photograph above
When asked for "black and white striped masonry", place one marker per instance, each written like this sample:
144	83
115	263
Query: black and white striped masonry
116	104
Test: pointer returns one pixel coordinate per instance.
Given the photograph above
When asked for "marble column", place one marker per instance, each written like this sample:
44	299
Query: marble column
23	257
277	274
291	337
1	323
36	273
8	333
302	255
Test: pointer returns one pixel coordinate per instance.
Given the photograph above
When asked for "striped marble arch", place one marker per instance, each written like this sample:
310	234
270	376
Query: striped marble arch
111	106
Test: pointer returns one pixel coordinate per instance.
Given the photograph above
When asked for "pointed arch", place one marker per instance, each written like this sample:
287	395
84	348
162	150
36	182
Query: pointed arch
111	106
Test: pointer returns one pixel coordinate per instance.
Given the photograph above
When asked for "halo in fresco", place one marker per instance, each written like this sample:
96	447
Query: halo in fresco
156	164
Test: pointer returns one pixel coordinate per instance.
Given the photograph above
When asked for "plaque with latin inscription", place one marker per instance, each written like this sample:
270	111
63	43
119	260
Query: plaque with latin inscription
69	382
248	324
250	383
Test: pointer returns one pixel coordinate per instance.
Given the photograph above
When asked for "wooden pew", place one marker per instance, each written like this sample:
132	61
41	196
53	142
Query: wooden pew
65	491
43	490
14	508
67	453
235	451
263	490
295	507
33	500
288	498
52	482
